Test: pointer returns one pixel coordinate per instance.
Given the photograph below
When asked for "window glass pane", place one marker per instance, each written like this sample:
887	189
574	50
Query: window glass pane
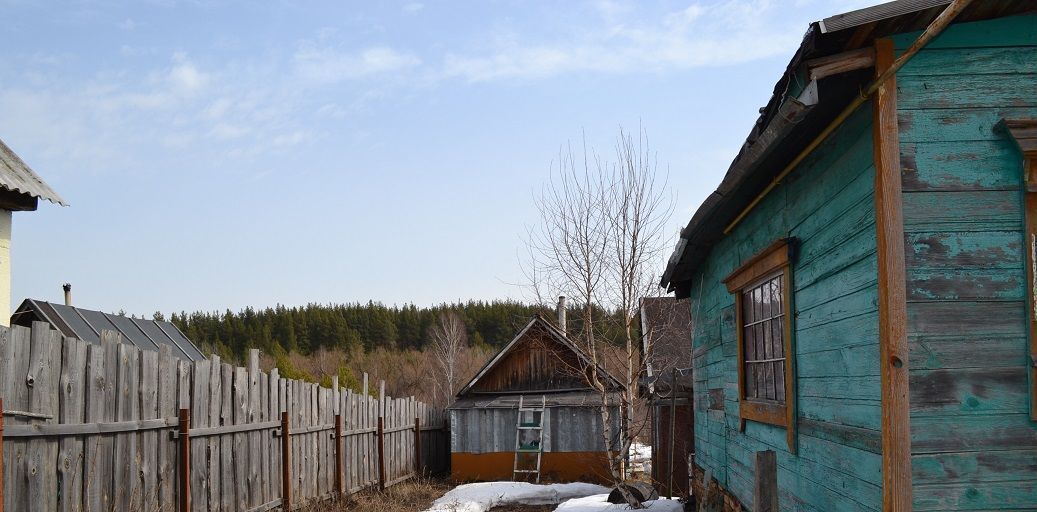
765	291
763	340
757	304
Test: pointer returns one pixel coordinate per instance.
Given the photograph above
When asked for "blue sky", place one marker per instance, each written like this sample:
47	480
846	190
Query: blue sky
224	154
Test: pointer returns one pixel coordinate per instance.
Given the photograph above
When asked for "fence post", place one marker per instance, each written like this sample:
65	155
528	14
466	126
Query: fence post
338	457
286	464
381	453
184	436
766	498
417	447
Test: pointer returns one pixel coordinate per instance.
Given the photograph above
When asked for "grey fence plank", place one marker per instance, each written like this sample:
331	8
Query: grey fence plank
199	419
127	408
72	410
148	440
242	454
168	377
42	381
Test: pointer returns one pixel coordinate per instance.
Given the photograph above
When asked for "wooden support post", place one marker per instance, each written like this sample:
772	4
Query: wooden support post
1	455
286	464
417	447
339	483
184	437
892	289
381	453
765	498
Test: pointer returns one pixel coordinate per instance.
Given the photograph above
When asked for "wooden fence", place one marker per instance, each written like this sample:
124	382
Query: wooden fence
109	427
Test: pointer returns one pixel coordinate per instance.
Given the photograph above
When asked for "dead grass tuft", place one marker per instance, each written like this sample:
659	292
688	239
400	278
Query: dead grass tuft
413	495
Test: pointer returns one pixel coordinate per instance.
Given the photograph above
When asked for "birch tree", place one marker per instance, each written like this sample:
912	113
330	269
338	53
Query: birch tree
449	341
599	240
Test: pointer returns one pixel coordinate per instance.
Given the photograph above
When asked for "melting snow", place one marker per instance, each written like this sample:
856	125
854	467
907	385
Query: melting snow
481	497
599	503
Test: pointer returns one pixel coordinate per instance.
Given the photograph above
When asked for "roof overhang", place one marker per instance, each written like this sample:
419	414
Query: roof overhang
776	137
17	179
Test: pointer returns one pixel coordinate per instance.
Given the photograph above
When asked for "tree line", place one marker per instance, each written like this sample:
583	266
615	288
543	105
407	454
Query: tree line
351	327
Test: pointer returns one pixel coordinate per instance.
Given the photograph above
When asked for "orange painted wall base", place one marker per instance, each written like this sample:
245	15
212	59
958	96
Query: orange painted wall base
554	466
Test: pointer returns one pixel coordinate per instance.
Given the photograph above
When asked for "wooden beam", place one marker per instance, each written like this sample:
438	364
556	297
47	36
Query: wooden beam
892	290
840	63
17	201
765	497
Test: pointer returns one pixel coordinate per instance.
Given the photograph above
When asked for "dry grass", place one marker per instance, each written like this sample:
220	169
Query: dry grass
411	496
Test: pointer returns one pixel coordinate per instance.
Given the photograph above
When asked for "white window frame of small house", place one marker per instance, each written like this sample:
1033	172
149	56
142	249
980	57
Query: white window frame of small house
771	265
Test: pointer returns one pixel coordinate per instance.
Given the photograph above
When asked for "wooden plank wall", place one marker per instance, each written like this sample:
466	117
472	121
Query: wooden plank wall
89	428
973	444
827	204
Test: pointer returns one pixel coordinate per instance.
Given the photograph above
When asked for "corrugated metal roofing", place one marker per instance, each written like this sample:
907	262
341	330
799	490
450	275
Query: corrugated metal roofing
87	325
16	176
876	13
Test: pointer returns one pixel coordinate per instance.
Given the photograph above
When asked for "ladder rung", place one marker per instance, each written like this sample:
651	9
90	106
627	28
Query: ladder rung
530	428
527	471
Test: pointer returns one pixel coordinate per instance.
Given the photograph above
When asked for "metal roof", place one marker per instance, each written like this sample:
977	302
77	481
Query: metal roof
16	176
776	137
86	324
876	13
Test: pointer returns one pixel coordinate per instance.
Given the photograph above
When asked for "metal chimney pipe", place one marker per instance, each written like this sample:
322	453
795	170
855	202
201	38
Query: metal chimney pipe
68	293
561	314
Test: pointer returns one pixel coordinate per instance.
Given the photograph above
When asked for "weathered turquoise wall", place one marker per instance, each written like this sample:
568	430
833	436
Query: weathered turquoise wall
973	446
827	203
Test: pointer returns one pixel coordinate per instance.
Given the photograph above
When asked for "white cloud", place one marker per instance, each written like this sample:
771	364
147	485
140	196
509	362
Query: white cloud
698	35
228	131
327	65
128	24
413	7
185	76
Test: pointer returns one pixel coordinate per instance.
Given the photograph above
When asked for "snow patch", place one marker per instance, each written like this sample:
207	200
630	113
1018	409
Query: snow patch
640	458
481	497
599	503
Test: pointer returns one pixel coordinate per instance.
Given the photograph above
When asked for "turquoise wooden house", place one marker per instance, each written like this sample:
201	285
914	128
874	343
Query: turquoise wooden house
862	281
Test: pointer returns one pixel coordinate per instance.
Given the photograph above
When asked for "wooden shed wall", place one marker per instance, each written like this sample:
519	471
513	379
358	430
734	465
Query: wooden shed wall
567	429
973	445
828	204
537	363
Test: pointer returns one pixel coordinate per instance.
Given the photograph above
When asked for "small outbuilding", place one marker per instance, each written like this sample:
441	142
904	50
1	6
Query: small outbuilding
539	366
667	387
87	325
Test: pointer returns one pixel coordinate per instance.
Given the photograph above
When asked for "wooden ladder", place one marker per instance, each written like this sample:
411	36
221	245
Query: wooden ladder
535	425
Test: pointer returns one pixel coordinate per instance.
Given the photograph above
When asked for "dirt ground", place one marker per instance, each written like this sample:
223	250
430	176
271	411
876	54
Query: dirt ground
409	496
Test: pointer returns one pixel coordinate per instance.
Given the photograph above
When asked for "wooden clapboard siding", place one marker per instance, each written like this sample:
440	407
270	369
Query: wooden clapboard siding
827	204
82	389
973	445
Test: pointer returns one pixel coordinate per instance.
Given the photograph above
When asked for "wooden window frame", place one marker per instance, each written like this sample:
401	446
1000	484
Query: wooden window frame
1024	132
774	259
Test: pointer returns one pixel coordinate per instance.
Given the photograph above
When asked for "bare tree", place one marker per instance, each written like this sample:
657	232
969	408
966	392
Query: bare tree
449	341
599	240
